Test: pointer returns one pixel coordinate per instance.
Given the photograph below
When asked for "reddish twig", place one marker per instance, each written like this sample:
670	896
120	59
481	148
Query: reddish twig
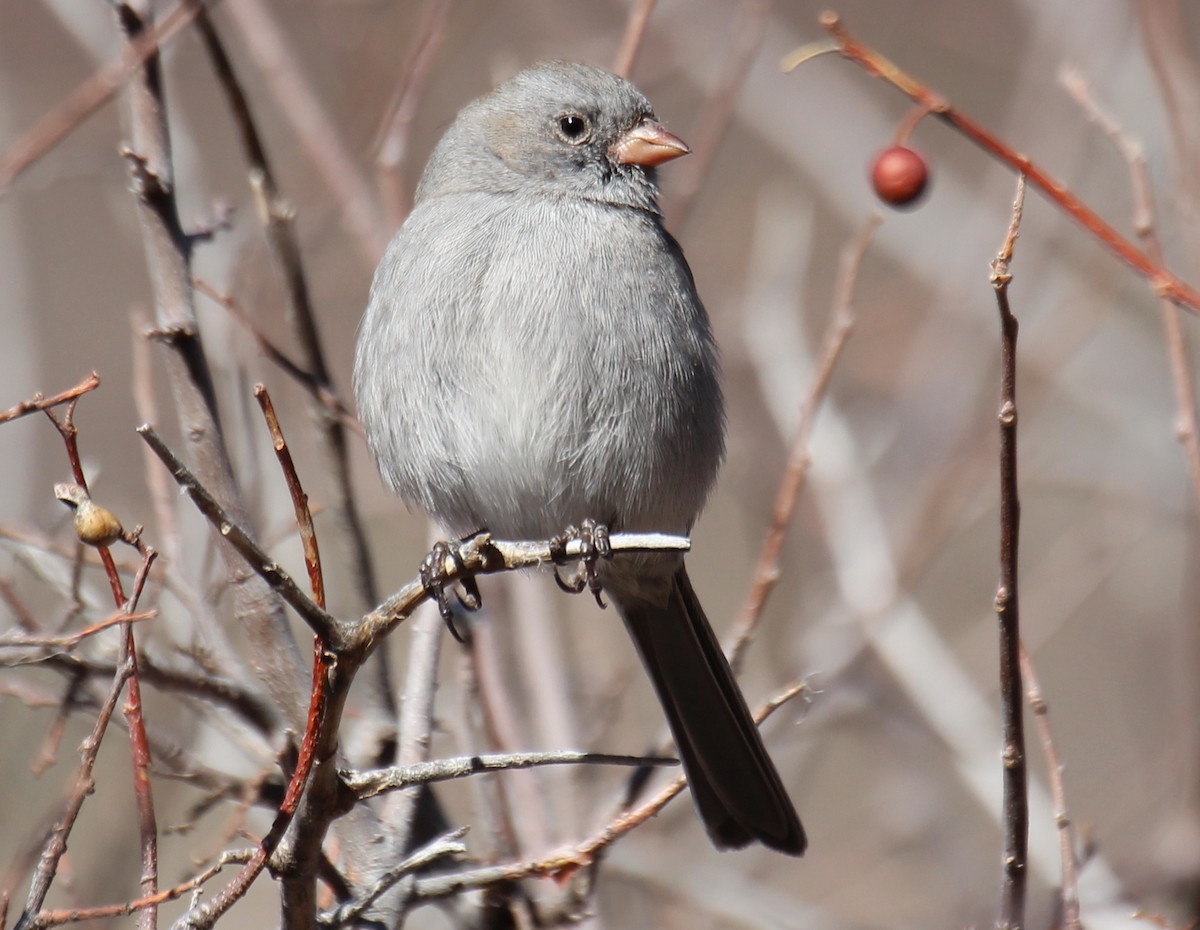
310	746
320	137
1015	778
13	639
562	865
632	38
1164	282
89	96
56	918
324	393
308	535
1178	354
38	402
128	663
279	226
168	248
837	331
391	143
718	112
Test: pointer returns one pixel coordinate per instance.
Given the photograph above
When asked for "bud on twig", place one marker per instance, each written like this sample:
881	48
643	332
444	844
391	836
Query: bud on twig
94	525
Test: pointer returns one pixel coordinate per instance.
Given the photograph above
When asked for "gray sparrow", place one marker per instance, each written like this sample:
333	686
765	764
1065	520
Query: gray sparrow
534	355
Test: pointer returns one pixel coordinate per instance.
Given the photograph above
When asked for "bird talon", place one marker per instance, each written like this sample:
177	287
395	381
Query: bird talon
434	579
469	595
574	586
594	544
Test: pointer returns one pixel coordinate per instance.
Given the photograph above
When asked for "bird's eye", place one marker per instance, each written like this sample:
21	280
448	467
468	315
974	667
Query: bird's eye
574	128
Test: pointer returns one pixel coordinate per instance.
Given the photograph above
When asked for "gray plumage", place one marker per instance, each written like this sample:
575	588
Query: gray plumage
535	354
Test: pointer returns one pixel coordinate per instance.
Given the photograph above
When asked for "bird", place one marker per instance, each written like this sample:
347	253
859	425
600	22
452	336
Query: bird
534	355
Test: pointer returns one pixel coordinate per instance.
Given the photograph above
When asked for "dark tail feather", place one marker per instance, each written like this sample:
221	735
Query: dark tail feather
734	783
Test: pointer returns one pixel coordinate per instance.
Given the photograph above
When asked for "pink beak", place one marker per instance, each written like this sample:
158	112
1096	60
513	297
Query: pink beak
647	144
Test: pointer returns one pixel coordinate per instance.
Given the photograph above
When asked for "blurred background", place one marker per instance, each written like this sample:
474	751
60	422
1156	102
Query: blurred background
888	577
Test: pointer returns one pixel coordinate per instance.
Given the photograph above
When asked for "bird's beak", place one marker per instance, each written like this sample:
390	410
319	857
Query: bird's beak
647	144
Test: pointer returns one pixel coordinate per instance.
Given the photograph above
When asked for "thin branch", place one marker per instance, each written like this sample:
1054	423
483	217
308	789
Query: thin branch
391	145
1054	770
562	864
364	785
56	846
128	662
18	639
439	848
304	520
718	112
632	38
56	918
38	402
325	394
1164	282
1178	355
279	226
257	610
297	884
1015	777
93	93
479	555
484	555
267	568
837	331
320	136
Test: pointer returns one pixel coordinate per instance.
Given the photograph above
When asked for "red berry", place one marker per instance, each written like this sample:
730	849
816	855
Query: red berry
899	176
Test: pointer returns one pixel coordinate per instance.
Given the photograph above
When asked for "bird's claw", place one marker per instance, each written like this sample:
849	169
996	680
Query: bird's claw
434	579
594	545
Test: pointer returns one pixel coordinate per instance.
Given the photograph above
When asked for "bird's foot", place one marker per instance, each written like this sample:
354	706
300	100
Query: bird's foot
435	580
594	545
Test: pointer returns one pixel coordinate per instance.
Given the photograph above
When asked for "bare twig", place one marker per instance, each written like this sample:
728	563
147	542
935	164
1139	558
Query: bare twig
368	784
631	40
267	568
401	811
89	96
1016	801
717	114
1161	279
439	848
391	144
583	854
168	247
479	555
297	883
38	402
127	674
304	520
279	226
56	846
56	918
837	331
319	135
325	394
1178	354
1054	771
484	555
13	639
494	721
